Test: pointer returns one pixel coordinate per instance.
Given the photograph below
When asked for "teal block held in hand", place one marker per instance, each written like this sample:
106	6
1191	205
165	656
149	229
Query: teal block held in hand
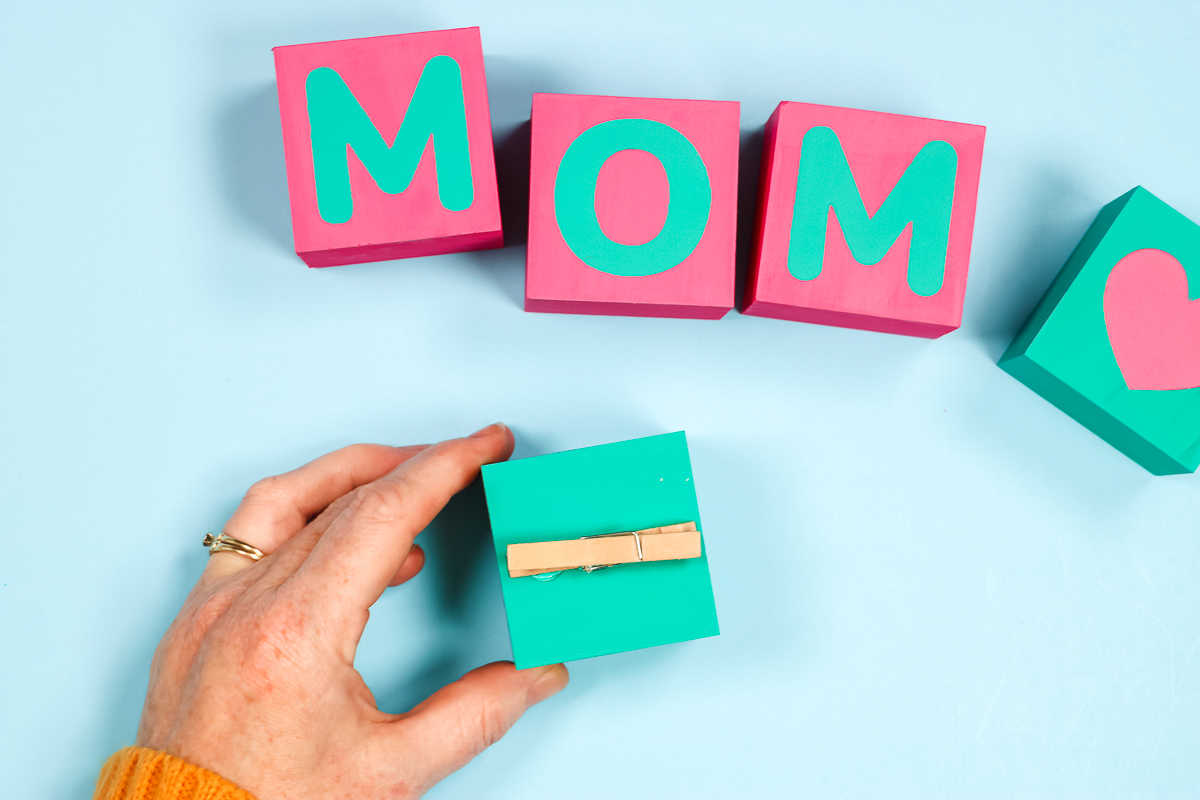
625	486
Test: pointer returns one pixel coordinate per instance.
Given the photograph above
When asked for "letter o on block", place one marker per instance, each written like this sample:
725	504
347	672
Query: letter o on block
575	197
687	268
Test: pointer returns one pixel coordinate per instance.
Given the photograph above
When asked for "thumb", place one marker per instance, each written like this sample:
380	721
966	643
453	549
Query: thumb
460	720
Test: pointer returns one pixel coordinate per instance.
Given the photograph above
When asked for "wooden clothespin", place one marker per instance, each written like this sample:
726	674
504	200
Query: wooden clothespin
589	553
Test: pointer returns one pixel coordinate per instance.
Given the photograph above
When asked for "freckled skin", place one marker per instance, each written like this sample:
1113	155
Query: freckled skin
255	678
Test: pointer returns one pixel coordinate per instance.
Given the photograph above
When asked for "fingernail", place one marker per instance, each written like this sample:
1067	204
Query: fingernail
495	427
552	681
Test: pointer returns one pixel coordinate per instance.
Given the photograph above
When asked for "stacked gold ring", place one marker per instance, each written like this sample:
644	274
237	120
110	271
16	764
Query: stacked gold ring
216	544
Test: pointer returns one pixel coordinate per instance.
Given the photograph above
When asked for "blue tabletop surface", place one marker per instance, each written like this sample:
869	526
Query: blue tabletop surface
930	582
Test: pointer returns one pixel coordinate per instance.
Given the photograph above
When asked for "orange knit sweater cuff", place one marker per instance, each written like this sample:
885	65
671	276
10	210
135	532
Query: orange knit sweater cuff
139	773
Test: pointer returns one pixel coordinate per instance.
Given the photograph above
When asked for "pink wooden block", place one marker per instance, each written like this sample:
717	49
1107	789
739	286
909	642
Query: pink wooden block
916	285
386	210
632	206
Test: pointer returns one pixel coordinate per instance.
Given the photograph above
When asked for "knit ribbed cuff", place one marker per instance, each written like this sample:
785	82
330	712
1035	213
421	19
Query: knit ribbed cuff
138	773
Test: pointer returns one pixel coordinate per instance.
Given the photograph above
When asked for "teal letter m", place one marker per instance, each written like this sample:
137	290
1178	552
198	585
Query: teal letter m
924	197
436	111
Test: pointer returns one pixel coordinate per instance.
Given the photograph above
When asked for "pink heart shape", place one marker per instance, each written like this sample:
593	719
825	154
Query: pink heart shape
1153	328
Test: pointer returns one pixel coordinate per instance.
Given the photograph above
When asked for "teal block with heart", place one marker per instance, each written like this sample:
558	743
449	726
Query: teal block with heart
1115	341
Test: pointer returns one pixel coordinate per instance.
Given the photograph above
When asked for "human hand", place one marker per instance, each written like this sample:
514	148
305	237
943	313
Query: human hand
255	679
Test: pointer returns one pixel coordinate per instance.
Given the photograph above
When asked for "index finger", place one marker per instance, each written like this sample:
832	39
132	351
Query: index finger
364	547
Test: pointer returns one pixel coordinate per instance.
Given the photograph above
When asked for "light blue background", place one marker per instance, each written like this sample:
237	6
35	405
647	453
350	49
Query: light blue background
930	582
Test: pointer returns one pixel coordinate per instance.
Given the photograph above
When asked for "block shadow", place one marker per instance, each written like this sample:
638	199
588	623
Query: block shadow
458	550
506	267
1050	224
749	160
250	164
512	181
456	542
511	84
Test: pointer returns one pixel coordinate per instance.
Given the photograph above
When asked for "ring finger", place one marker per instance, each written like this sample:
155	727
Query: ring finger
276	508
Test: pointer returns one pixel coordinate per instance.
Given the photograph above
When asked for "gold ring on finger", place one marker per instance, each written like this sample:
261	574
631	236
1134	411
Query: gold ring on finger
216	544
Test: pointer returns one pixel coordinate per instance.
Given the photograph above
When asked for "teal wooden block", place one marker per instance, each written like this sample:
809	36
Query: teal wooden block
1115	341
622	486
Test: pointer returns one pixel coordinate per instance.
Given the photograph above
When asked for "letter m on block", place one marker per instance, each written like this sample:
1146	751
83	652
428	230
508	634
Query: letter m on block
436	113
922	198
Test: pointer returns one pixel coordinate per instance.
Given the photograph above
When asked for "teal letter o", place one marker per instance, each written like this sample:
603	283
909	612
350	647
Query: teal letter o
575	197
